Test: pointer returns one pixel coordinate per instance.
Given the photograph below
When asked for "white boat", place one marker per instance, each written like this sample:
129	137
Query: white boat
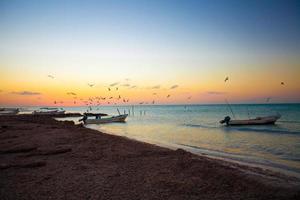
256	121
99	120
49	111
9	111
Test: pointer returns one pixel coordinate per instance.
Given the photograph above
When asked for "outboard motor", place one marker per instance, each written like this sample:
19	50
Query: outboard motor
225	120
84	118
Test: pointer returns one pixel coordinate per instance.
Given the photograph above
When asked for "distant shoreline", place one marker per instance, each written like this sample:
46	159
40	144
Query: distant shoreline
121	105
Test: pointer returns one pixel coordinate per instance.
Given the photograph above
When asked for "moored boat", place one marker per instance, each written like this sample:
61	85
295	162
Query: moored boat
256	121
99	120
9	111
49	111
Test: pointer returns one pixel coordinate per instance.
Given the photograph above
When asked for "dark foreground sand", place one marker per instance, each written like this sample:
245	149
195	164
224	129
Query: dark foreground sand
41	158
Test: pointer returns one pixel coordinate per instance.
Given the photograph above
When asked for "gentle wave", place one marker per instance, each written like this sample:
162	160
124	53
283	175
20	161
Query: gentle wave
199	126
265	130
251	129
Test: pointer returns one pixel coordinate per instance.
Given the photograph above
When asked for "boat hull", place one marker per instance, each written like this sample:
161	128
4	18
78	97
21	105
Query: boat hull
119	118
257	121
9	111
49	112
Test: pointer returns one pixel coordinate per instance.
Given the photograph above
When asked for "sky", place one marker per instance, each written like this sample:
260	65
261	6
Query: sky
166	51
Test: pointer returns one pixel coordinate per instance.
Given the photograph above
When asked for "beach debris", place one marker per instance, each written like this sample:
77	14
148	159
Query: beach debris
23	165
18	150
226	79
55	151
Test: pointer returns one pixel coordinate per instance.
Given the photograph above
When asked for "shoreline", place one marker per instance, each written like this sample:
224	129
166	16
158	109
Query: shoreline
41	156
214	155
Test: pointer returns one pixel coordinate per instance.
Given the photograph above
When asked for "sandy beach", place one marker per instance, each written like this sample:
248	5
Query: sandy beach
41	158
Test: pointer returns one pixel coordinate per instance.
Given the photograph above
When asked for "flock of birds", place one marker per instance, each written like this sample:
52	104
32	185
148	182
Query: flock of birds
115	99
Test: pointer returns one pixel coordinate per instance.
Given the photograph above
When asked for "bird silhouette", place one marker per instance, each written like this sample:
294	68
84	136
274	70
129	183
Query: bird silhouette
117	88
108	89
168	96
226	79
50	76
90	84
189	97
282	83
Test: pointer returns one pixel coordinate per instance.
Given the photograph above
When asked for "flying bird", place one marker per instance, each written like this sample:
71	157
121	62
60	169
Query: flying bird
50	76
108	89
154	93
173	87
114	84
282	83
110	97
71	93
226	79
90	84
168	96
189	97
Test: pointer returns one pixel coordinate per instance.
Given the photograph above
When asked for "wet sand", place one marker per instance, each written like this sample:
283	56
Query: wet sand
41	158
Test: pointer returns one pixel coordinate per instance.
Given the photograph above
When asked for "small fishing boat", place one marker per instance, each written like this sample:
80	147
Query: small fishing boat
99	120
49	111
9	111
256	121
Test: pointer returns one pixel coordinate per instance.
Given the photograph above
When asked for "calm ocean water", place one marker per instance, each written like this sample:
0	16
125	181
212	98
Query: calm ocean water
196	128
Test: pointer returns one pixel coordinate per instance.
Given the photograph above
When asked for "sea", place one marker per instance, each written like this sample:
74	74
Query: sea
196	128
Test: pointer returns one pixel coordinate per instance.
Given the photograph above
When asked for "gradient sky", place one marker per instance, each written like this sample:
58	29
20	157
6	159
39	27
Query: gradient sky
153	45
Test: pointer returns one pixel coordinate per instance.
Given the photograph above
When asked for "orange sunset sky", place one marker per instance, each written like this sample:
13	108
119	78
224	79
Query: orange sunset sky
146	50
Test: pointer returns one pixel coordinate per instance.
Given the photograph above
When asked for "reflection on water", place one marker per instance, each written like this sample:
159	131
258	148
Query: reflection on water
196	128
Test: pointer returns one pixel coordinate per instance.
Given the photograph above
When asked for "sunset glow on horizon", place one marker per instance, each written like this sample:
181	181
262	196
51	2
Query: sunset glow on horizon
64	53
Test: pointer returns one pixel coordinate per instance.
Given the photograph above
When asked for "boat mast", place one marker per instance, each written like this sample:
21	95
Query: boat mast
230	108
